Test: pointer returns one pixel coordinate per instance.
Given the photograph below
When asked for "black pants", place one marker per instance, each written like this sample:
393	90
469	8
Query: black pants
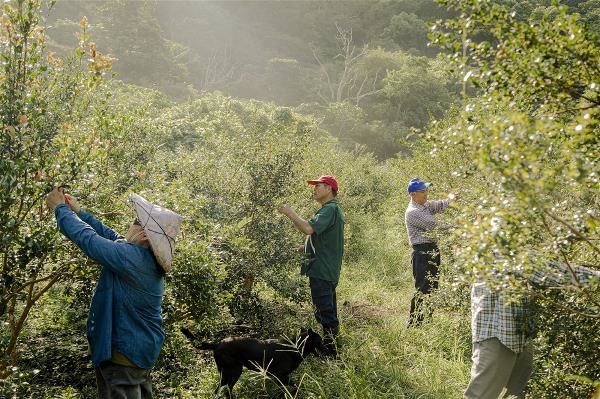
425	263
325	302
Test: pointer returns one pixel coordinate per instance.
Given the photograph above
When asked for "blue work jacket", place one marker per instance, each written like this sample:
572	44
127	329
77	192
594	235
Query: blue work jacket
125	310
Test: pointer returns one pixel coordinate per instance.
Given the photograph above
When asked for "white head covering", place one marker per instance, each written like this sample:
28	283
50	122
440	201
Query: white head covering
161	227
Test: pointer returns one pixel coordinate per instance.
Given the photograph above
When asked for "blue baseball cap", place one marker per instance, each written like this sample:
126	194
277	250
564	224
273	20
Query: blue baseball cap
417	184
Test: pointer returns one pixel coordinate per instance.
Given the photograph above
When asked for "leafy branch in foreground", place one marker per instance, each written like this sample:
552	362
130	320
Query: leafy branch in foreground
533	132
42	101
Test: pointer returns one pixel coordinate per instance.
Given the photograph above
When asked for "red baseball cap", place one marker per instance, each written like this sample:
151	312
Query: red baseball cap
329	180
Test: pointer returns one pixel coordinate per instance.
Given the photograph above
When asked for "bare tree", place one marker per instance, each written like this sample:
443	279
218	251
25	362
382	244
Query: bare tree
350	82
219	69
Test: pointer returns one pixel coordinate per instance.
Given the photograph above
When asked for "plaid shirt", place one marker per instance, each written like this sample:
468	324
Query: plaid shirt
494	316
419	220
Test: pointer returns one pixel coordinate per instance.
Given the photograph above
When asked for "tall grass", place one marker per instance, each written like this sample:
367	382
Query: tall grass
378	356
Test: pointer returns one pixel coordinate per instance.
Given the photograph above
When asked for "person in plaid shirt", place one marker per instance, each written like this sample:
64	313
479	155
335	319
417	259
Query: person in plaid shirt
420	221
502	333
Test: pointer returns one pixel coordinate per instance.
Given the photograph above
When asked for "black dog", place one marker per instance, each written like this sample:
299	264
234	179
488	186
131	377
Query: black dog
278	357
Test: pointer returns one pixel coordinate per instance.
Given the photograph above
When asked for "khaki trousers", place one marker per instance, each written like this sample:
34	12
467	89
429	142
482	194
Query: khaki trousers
495	367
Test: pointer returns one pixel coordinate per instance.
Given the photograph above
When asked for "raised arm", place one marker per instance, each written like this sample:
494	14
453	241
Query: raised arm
104	251
437	206
301	224
87	217
99	227
557	274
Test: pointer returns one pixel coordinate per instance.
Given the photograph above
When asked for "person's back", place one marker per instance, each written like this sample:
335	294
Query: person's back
124	327
131	301
503	329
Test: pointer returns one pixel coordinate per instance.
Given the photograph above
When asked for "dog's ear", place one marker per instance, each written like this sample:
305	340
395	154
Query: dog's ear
314	343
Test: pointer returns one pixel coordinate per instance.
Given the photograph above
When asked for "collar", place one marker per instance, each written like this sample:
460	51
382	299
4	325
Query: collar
413	203
331	201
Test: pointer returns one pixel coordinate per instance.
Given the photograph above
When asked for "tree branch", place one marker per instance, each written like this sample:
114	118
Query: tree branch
573	230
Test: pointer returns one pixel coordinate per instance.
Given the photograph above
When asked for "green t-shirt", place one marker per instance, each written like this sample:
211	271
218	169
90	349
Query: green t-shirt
324	249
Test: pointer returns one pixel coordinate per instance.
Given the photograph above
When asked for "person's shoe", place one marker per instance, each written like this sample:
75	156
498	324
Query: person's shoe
412	323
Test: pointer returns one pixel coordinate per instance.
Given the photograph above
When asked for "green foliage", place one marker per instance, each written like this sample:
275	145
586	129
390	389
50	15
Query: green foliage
45	143
292	53
565	345
266	51
547	64
415	94
131	32
525	153
194	286
404	93
588	10
533	134
236	165
406	30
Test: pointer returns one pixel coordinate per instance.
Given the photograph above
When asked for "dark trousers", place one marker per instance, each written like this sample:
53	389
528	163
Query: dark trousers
425	263
325	302
121	382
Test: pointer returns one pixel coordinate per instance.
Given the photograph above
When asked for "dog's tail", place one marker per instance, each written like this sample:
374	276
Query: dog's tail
202	345
189	335
206	346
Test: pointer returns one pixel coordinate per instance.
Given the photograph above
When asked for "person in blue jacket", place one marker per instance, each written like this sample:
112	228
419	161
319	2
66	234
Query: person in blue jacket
124	328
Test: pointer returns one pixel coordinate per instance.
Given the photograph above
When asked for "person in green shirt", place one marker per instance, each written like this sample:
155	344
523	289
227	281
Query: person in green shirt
324	249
